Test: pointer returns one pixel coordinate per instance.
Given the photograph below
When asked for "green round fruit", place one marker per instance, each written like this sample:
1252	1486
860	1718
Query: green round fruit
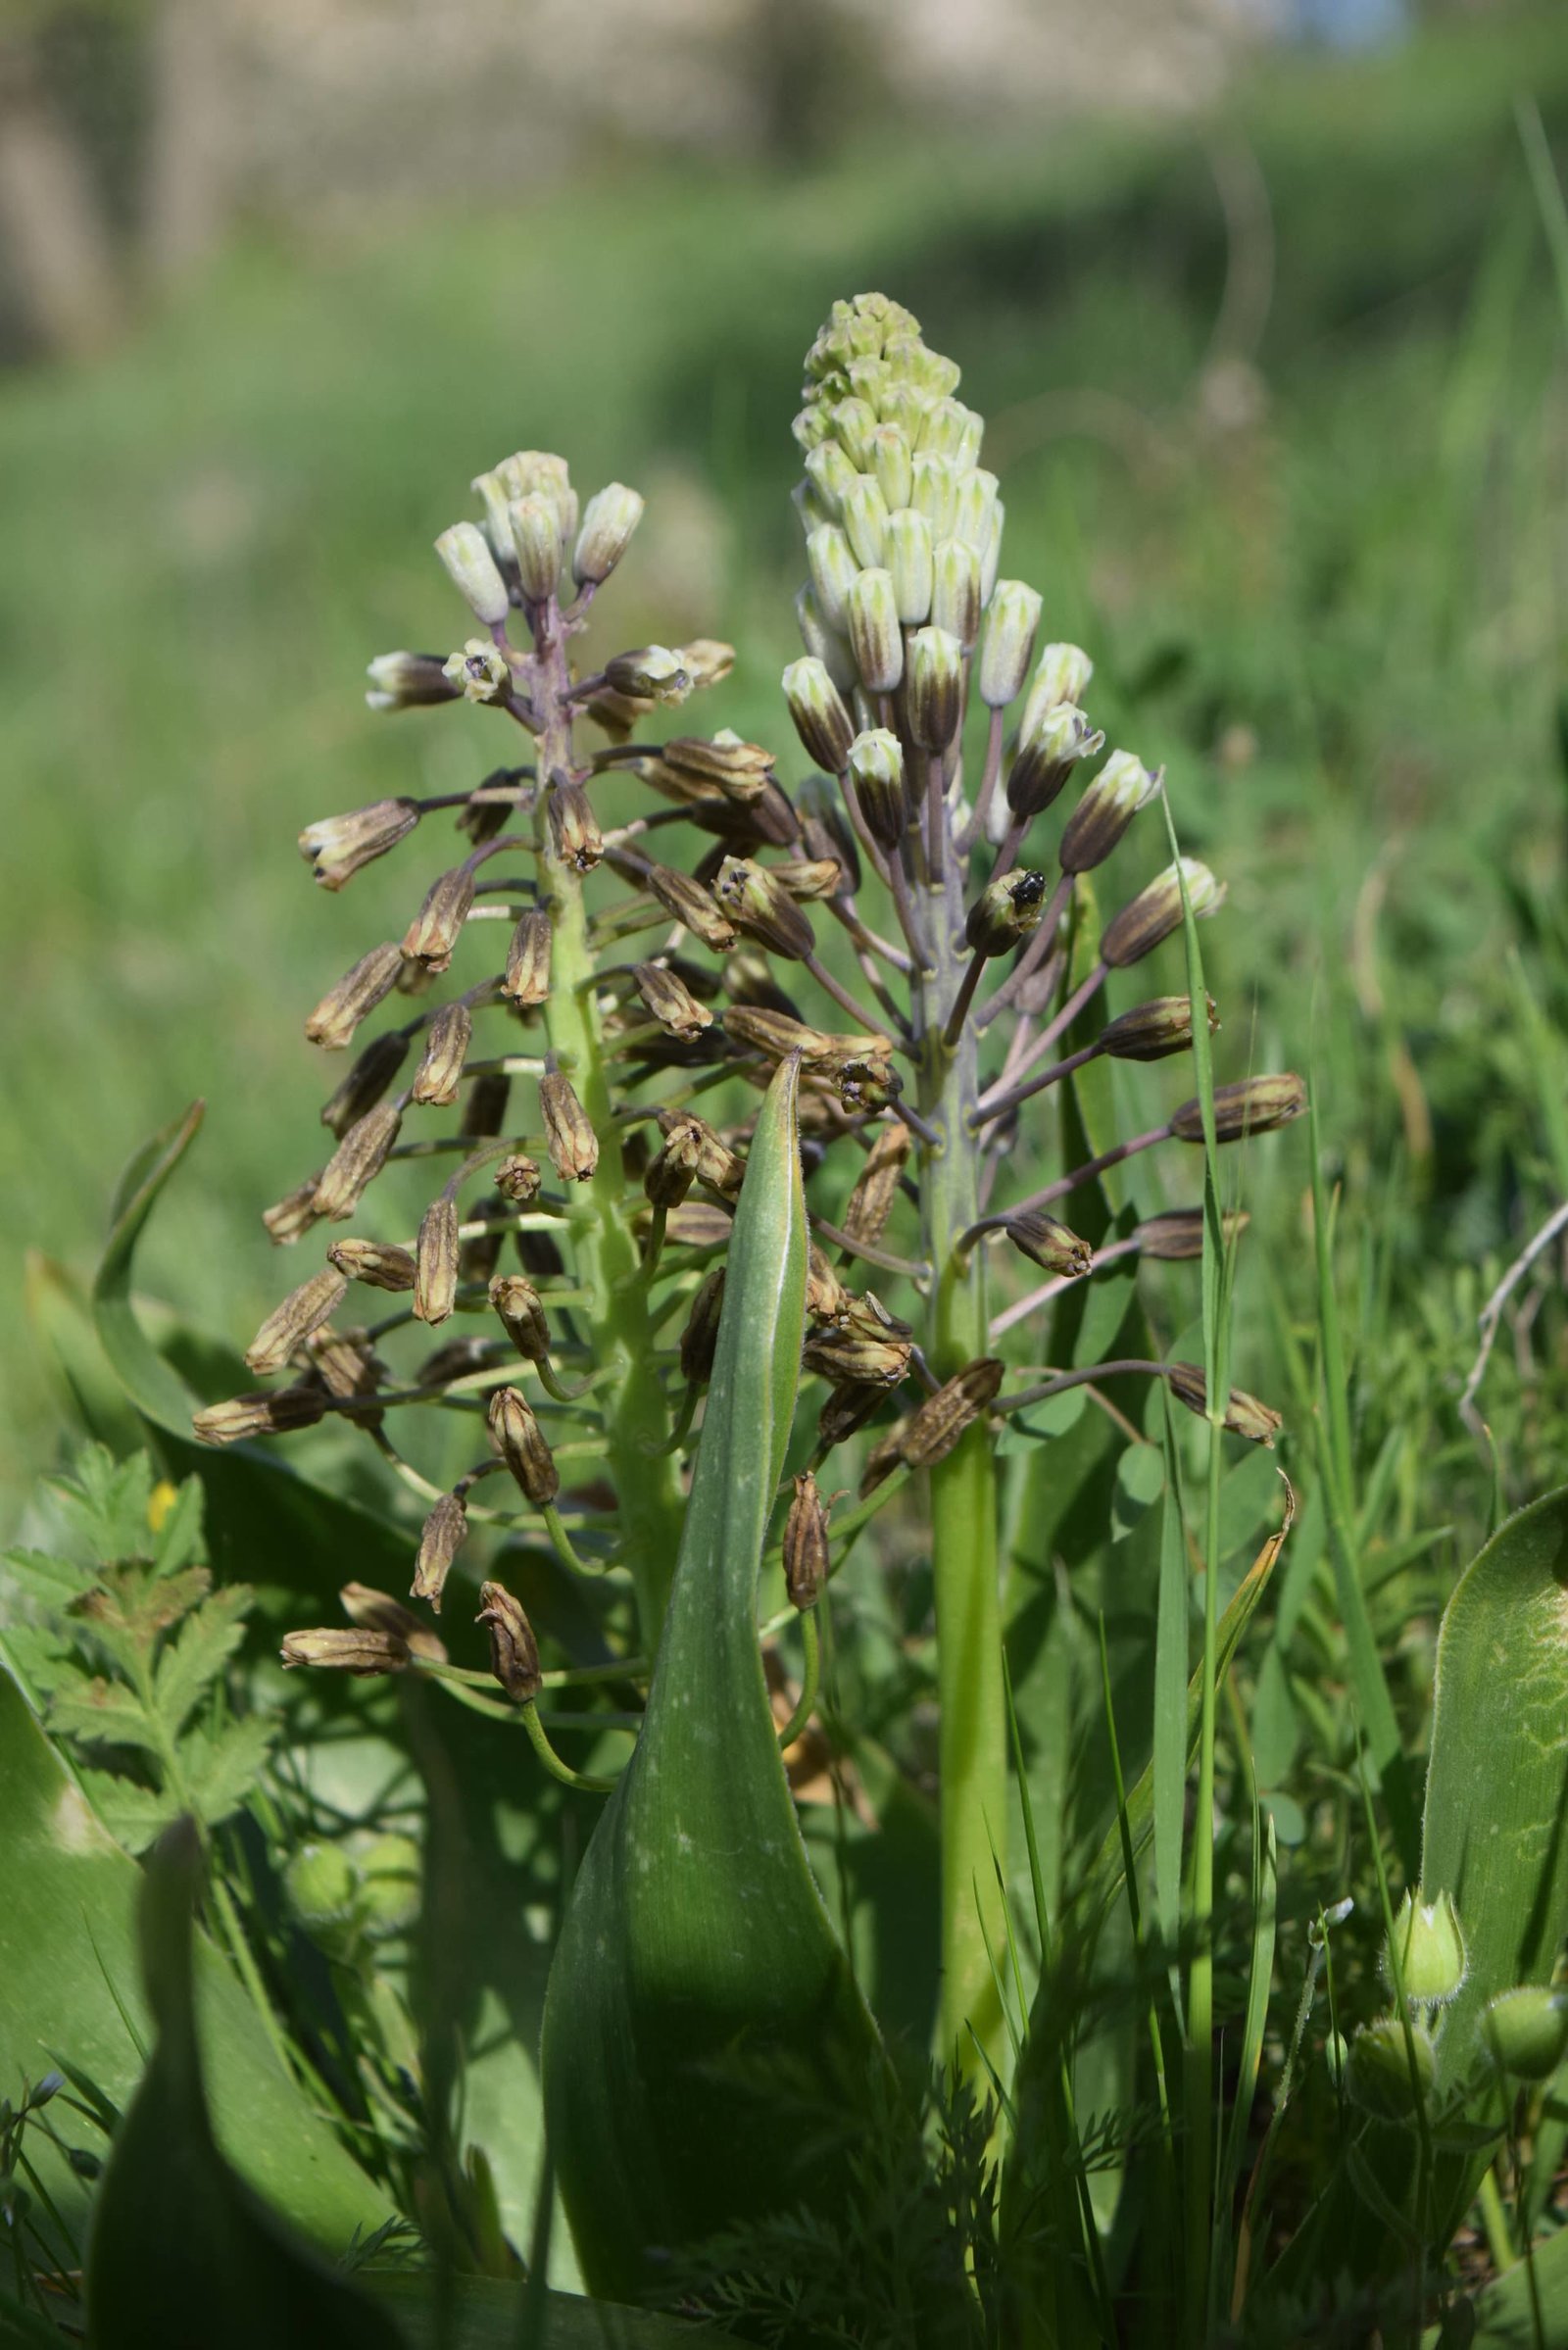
1378	2075
389	1885
1527	2032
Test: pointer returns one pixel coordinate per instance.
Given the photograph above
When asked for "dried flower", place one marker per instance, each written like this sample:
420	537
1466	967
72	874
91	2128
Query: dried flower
1243	1414
1050	1245
367	1080
806	1565
356	993
1156	913
525	981
377	1611
514	1650
377	1265
357	1161
437	926
441	1537
518	1178
1256	1105
523	1317
271	1413
1152	1031
339	846
347	1648
519	1442
435	1285
446	1048
573	1146
290	1324
409	681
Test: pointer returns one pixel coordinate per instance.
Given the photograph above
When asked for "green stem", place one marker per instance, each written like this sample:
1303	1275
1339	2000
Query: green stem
810	1680
585	1782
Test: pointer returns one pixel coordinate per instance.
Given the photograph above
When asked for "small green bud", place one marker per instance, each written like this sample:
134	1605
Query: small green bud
389	1885
935	689
1111	800
1255	1106
821	720
865	522
1378	2074
471	568
1156	913
1428	1946
535	525
832	478
608	519
409	681
934	492
1010	643
912	564
955	591
875	638
1336	2052
976	511
1527	2031
876	771
1061	675
832	568
319	1885
1007	911
480	672
891	464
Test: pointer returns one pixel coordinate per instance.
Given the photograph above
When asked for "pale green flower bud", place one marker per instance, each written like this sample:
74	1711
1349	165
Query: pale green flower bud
1428	1944
1527	2032
471	568
812	428
865	522
822	643
908	407
875	637
480	671
608	519
810	513
821	720
876	770
935	687
535	524
891	463
952	430
832	476
955	591
1111	800
1010	643
1378	2074
868	379
976	503
407	681
1061	676
910	564
991	553
497	526
854	423
935	493
832	568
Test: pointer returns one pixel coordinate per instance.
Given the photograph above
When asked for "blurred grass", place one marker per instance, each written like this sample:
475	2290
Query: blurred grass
1320	557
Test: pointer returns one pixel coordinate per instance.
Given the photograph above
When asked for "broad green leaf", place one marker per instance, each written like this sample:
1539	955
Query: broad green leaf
184	2254
1497	1803
1503	2314
705	2047
68	1965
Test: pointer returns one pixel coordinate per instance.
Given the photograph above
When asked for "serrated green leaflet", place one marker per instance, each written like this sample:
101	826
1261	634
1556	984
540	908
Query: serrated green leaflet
704	2045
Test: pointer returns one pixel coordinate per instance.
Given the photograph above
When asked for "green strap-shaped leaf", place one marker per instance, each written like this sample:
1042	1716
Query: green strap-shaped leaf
706	2049
1496	1808
183	2254
155	1390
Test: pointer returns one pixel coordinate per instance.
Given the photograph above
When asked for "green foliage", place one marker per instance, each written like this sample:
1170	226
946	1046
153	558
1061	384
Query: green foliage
128	1649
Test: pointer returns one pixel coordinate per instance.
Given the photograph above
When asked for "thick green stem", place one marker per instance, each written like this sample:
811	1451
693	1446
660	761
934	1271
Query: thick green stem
636	1421
972	1747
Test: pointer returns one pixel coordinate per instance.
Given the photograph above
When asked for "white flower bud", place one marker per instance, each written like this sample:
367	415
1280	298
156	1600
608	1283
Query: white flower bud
874	633
909	563
824	644
471	569
832	478
535	523
956	592
608	519
865	522
976	503
832	568
1061	675
935	692
952	430
935	493
1010	643
891	463
854	423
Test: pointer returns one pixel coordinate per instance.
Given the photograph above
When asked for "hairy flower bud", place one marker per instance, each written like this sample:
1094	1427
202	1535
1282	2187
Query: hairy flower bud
525	981
516	1303
367	1080
355	995
357	1161
1061	675
480	672
608	519
1156	913
1010	643
337	847
672	1002
911	562
876	1186
471	568
653	673
273	1411
934	690
409	681
955	591
435	1285
1254	1105
807	1564
519	1442
290	1323
688	903
346	1648
1243	1414
1527	2031
1123	786
1005	913
446	1048
753	897
875	638
440	1539
833	568
817	706
514	1650
1151	1031
1050	1245
377	1263
437	926
1428	1944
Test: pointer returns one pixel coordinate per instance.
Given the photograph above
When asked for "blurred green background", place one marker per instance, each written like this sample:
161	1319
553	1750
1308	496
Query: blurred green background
1277	381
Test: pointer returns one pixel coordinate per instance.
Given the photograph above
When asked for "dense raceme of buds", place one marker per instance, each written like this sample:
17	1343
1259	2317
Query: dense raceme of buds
637	921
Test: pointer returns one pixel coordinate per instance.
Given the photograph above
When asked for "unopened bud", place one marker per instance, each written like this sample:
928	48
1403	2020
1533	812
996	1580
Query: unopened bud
1156	913
1151	1031
514	1650
522	1316
337	847
830	476
471	568
409	681
934	490
807	1564
377	1264
876	1186
740	770
910	563
535	525
1061	675
438	925
700	1338
651	673
290	1324
876	772
273	1411
688	903
1244	1416
864	514
377	1611
1111	800
525	981
440	1539
484	1112
518	1179
1050	1245
955	591
1378	2070
608	519
480	672
817	706
975	514
750	894
519	1442
346	1648
778	1035
367	1080
891	464
355	995
875	638
808	878
1255	1106
288	1219
440	1071
1527	2031
357	1161
934	690
572	1144
833	569
1045	758
435	1287
1010	643
1005	913
822	643
1425	1954
672	1002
